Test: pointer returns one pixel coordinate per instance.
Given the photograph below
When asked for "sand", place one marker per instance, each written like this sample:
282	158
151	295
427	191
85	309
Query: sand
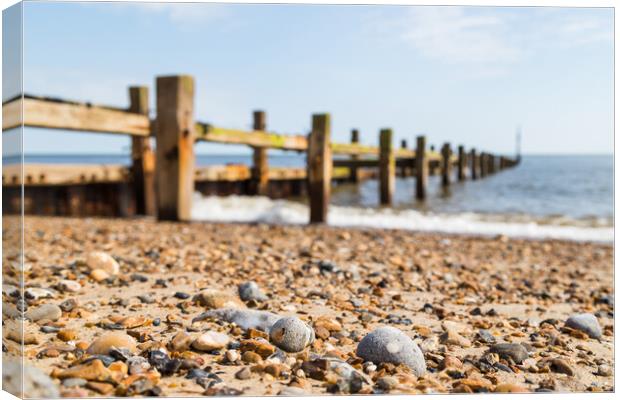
423	284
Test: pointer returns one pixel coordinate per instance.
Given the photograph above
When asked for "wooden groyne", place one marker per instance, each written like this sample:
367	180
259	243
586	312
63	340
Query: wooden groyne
161	181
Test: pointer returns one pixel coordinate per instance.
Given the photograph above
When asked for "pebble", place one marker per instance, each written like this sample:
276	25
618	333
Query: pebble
249	291
561	366
38	293
34	382
98	260
211	340
67	334
451	362
390	345
10	290
291	334
214	299
182	295
146	299
244	373
452	337
387	383
10	311
486	337
605	370
586	323
104	343
68	305
99	275
259	346
67	285
49	312
93	371
514	351
74	382
181	342
245	319
292	391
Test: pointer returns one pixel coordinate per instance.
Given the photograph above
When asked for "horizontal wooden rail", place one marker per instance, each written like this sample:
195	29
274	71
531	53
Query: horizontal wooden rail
64	174
210	133
80	174
55	114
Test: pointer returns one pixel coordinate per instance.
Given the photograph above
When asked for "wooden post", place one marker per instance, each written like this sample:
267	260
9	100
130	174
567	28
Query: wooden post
462	163
354	171
142	156
491	169
260	167
446	166
387	167
421	168
404	168
484	164
319	173
175	147
473	164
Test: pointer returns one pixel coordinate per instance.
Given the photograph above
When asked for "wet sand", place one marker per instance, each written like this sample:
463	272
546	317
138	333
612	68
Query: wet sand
353	280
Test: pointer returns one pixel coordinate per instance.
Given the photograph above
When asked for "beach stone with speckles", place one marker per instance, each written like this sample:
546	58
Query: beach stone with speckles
390	345
291	334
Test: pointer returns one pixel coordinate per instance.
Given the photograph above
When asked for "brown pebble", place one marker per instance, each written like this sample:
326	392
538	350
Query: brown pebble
104	343
251	357
66	335
258	346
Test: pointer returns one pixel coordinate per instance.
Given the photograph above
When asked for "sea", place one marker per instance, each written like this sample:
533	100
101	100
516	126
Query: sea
545	196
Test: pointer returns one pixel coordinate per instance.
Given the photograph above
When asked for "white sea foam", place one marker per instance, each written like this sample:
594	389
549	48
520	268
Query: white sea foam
263	209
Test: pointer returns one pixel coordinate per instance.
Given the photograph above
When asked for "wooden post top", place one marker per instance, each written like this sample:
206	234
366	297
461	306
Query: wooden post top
260	120
139	99
403	144
355	136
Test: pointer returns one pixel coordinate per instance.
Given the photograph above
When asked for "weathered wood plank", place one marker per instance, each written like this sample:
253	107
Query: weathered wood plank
73	116
461	163
319	167
387	167
446	165
473	162
63	174
210	133
260	168
355	139
142	156
421	166
175	147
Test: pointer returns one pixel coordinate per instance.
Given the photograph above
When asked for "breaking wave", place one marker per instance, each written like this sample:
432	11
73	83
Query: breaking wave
265	210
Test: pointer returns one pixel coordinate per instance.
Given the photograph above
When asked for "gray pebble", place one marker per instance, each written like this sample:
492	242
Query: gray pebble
71	382
486	337
291	334
390	345
49	329
586	323
44	312
35	383
245	319
250	291
293	391
513	351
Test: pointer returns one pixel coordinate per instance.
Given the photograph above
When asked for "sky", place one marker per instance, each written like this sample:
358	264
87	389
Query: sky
467	75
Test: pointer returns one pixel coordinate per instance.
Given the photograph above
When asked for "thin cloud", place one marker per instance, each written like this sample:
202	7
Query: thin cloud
491	39
185	16
454	35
